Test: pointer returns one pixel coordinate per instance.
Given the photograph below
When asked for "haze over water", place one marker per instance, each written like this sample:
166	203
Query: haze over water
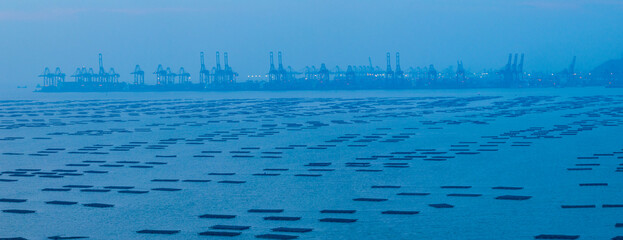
513	151
70	34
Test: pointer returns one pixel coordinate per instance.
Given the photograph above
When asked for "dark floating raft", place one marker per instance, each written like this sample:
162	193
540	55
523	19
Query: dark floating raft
319	164
63	238
222	216
12	200
593	184
77	165
556	236
219	233
19	211
14	154
255	210
307	175
457	187
579	169
167	189
338	211
578	206
513	197
98	205
370	199
612	205
266	174
165	180
275	169
230	227
281	218
133	191
338	220
400	212
149	231
385	186
156	163
111	165
412	194
276	236
95	190
507	188
232	182
61	202
119	187
441	205
78	186
321	170
296	230
196	180
56	189
463	195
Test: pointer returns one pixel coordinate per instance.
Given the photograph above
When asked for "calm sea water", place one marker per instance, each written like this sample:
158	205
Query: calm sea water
304	152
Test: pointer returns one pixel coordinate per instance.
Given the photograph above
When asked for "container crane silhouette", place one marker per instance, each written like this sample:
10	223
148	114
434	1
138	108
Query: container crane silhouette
139	75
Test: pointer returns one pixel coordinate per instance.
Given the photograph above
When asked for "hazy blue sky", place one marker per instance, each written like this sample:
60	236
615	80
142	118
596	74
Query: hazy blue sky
70	33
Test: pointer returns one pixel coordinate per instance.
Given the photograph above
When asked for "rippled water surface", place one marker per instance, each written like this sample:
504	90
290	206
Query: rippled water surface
429	164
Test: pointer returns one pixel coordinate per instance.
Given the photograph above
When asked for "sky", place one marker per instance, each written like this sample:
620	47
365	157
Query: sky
70	33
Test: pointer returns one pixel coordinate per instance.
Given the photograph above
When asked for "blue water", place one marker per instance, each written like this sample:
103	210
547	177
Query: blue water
527	138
